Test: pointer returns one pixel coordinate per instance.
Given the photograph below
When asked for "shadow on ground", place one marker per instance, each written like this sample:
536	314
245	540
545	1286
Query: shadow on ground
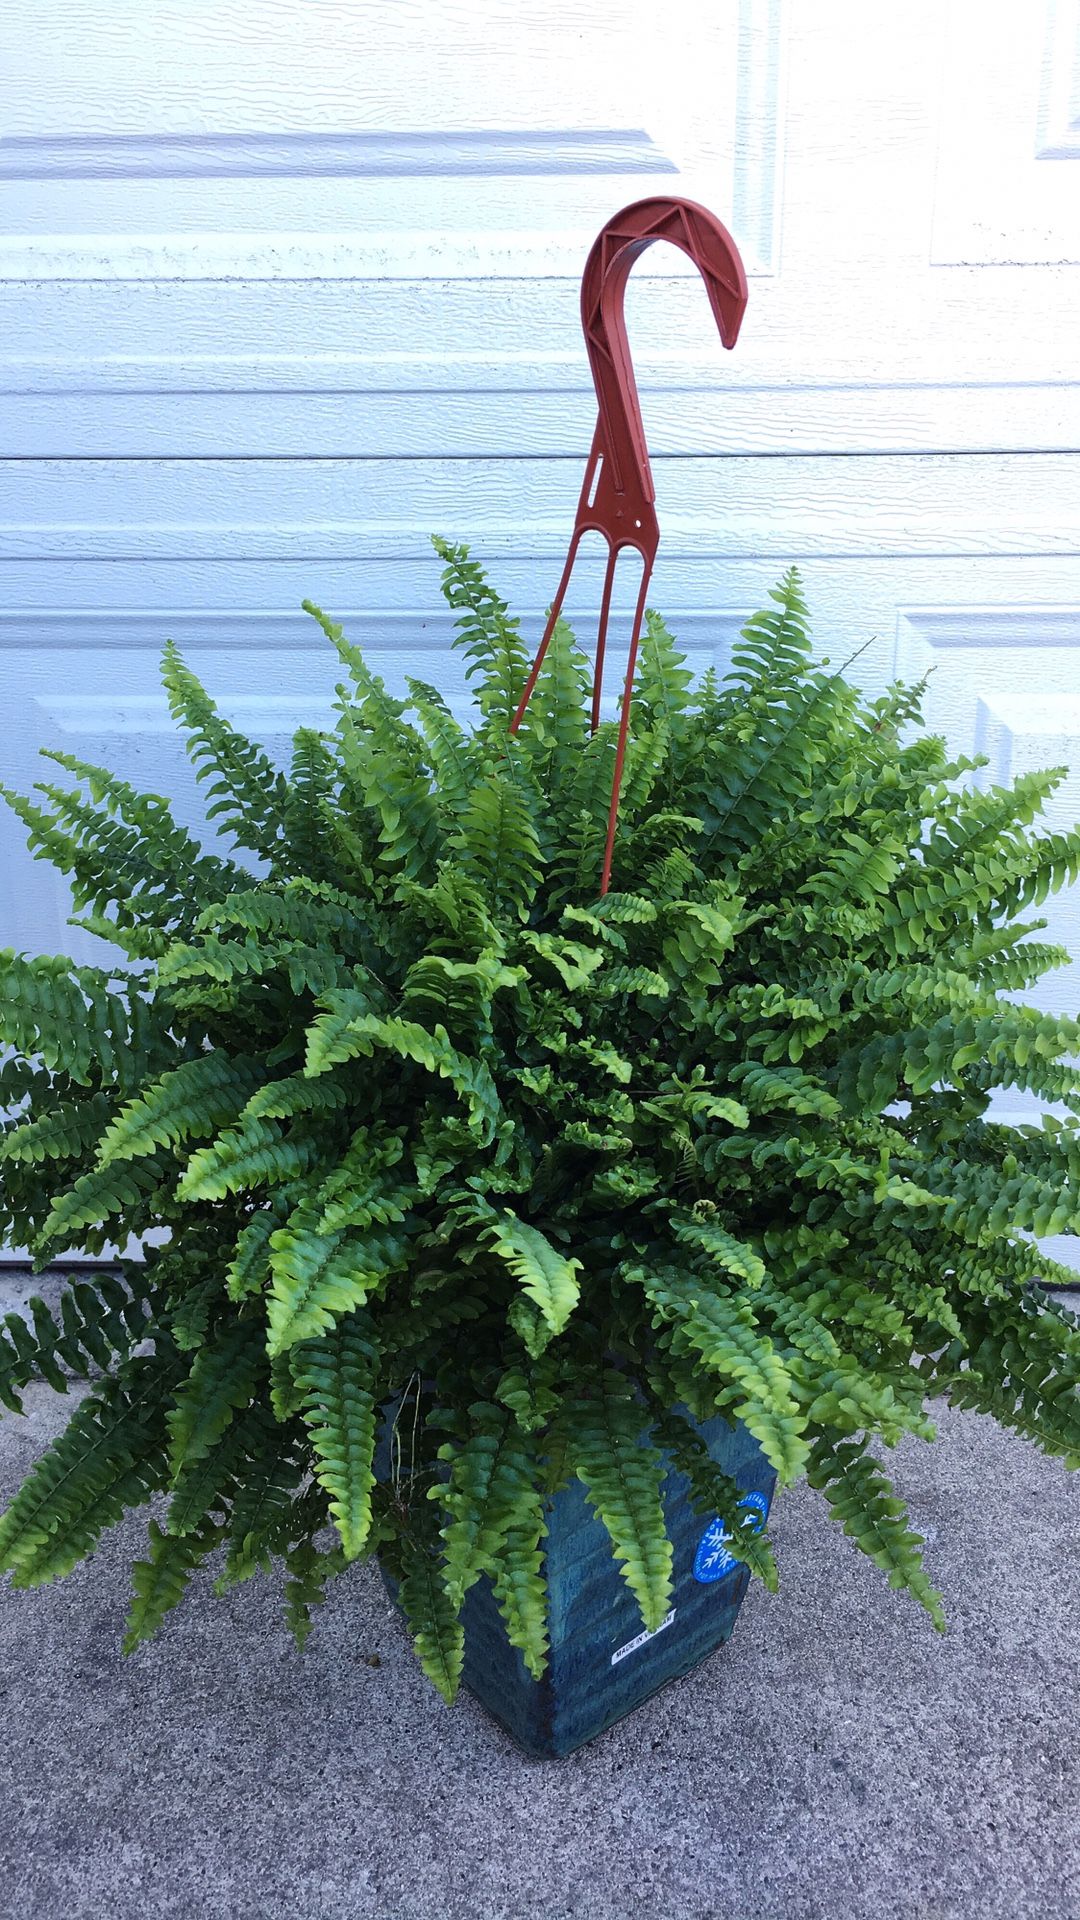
837	1761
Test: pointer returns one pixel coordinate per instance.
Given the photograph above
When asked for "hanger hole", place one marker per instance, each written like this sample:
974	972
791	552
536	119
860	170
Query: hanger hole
591	501
637	524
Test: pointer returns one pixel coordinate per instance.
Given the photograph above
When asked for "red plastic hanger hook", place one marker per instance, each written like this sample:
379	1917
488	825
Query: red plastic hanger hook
617	494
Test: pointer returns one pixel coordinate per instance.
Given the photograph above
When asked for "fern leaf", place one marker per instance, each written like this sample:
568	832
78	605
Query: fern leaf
722	1330
248	793
715	1492
731	1255
333	1038
110	1457
521	1595
319	1277
623	1477
244	1158
490	1493
497	841
195	1099
161	1580
222	1382
437	1633
65	1133
336	1376
871	1514
487	636
546	1276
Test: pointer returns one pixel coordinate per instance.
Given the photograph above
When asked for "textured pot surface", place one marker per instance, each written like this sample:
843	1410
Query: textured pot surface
602	1664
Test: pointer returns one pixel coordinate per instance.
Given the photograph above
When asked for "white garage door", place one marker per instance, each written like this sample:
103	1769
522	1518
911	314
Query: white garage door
285	288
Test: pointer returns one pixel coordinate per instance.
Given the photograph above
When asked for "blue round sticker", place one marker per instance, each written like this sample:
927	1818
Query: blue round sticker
712	1559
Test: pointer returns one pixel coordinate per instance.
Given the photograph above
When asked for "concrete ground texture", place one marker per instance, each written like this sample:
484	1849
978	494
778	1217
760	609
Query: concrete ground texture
837	1760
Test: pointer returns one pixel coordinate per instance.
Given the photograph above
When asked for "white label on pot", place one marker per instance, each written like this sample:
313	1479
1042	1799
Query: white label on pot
633	1645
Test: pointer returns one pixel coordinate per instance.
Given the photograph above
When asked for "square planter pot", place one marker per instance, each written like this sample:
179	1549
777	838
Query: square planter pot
602	1663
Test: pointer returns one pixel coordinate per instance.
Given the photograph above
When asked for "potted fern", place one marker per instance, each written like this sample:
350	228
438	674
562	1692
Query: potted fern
520	1237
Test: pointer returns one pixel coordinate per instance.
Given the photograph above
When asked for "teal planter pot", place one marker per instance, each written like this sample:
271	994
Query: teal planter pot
602	1664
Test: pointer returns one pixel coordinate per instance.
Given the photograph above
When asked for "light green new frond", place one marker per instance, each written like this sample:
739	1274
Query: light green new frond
731	1254
557	714
239	1161
487	636
518	1583
457	993
452	755
574	962
625	910
802	1328
332	1038
319	1277
284	1099
491	1492
336	1375
623	1476
662	687
774	648
545	1275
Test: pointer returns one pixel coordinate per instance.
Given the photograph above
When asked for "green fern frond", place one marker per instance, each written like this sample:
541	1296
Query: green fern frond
222	1382
99	1324
437	1632
872	1515
194	1100
336	1377
111	1457
487	636
319	1277
623	1476
546	1276
490	1493
247	792
161	1580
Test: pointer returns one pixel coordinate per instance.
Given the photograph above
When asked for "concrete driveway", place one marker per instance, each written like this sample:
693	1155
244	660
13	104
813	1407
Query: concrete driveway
837	1761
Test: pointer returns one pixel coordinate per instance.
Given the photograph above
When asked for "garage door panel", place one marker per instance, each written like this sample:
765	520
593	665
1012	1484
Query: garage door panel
787	508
